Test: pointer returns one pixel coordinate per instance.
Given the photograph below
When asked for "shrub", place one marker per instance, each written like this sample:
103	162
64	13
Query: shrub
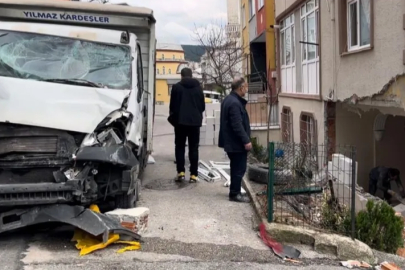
378	227
259	152
334	216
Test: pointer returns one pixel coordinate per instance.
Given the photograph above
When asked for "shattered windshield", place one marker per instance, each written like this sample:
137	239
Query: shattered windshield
47	58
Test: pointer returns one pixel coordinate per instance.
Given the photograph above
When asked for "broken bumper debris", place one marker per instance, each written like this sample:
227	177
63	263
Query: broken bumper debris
93	223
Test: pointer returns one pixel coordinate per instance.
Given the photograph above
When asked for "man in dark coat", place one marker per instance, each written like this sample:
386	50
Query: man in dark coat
234	136
381	178
187	105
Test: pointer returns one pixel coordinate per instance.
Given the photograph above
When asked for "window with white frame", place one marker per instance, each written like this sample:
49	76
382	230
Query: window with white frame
287	54
358	24
243	16
261	3
252	8
309	48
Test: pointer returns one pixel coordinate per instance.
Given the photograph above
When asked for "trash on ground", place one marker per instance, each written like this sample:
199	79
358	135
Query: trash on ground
389	266
207	173
282	251
151	160
351	264
222	165
134	219
225	175
401	252
291	260
88	243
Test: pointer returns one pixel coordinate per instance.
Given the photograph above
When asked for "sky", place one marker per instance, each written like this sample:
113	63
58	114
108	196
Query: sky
177	20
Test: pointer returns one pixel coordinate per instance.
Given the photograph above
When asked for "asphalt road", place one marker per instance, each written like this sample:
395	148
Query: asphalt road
192	227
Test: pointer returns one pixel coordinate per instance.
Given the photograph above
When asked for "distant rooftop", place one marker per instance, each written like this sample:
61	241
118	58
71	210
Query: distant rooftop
169	46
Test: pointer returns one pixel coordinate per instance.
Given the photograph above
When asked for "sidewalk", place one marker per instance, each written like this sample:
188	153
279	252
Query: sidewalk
195	213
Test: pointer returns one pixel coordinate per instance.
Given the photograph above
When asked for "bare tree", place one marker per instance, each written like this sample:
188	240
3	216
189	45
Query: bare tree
223	58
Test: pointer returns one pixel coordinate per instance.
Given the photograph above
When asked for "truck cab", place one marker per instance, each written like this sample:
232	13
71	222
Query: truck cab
76	102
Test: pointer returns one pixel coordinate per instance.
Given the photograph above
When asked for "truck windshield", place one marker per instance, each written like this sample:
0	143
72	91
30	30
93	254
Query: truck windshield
64	60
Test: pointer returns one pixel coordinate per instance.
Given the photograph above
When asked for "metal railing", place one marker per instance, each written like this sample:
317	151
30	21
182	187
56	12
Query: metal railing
308	190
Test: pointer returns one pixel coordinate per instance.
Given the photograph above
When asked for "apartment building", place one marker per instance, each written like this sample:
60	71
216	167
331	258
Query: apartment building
259	66
341	70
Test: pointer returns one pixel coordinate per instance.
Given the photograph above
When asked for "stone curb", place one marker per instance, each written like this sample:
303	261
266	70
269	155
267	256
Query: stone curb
344	248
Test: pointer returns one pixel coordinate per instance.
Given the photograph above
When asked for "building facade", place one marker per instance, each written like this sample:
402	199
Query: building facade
259	66
342	77
169	60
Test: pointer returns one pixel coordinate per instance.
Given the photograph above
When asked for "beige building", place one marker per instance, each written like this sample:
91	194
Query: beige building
342	77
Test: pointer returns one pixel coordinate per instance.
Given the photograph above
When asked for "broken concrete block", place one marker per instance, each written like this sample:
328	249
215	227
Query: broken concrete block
135	219
342	247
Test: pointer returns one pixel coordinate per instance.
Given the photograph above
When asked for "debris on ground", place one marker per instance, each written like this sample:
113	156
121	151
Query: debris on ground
389	266
134	219
88	243
351	264
283	251
151	160
207	173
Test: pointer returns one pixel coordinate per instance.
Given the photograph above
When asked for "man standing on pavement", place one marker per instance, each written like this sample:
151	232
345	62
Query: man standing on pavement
234	136
187	105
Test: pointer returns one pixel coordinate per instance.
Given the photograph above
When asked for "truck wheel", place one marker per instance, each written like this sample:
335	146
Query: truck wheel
126	201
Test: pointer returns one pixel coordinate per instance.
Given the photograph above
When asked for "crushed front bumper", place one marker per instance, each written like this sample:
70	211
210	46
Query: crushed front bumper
94	223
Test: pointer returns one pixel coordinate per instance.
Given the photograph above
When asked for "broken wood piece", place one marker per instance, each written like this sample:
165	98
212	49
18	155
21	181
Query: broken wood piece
351	264
389	266
291	260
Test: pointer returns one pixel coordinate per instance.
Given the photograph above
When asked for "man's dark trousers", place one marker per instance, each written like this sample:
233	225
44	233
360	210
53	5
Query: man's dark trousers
181	135
238	169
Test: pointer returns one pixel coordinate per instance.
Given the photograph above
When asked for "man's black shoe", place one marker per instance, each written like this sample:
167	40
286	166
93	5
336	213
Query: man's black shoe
239	198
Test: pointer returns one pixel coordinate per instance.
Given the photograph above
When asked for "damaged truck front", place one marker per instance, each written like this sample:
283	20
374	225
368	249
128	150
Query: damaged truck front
76	102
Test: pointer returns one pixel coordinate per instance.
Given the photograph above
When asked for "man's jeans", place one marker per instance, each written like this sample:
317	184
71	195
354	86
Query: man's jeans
181	134
238	169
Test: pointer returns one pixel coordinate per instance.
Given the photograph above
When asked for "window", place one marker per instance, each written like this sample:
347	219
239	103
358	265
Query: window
287	125
287	54
243	16
174	57
163	70
309	138
170	71
252	9
261	3
358	24
163	56
309	48
157	71
139	72
287	41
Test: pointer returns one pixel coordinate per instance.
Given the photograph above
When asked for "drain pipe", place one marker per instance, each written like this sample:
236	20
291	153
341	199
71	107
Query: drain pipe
334	75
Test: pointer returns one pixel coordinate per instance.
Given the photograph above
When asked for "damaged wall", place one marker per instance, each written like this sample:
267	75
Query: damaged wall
356	130
363	73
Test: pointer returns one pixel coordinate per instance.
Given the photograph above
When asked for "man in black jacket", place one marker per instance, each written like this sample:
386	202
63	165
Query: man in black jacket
381	178
234	136
187	104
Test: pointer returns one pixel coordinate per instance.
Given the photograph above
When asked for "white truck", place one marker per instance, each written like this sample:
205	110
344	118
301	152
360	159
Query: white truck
77	89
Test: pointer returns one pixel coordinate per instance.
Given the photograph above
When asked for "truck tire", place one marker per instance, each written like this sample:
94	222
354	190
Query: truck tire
258	174
126	201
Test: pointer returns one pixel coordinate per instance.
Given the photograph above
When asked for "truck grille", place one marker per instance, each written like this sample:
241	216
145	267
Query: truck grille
39	145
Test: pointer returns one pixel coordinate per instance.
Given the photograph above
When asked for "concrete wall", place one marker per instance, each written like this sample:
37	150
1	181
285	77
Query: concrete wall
354	129
252	28
302	105
282	5
363	73
261	135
